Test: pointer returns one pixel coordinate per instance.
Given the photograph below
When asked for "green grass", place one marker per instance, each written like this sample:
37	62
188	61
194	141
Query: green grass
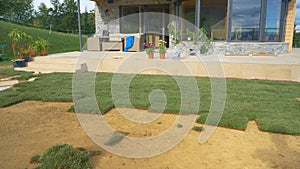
115	138
198	128
12	72
58	42
271	104
62	156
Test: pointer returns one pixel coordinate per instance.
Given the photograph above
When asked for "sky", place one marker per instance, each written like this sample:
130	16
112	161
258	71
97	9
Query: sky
83	4
297	18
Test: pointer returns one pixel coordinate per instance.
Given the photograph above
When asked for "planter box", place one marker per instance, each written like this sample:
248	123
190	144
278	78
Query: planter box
19	63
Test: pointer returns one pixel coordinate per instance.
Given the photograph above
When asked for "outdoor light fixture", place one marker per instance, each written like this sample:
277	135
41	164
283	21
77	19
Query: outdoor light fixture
110	1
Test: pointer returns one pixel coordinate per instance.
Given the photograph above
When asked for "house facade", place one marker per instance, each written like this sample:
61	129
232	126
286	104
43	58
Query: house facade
237	26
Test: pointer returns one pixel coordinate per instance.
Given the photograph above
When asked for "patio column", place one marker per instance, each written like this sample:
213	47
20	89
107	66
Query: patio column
79	26
197	12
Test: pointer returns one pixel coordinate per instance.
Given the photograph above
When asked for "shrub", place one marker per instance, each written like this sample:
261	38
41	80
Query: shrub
62	156
197	128
115	138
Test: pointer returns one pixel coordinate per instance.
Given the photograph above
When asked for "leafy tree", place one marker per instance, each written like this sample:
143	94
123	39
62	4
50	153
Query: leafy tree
5	7
69	20
43	16
19	10
296	38
56	14
88	22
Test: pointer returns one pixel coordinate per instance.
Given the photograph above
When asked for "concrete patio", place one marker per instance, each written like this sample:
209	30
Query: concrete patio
284	67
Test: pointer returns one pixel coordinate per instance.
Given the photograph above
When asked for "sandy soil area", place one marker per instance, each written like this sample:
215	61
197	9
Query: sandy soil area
31	127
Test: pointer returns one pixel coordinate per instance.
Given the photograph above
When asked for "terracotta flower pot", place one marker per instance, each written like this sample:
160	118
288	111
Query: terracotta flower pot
162	56
43	53
32	53
150	56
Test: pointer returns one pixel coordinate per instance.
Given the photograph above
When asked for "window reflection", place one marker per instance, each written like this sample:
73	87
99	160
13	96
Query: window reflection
272	21
131	23
245	19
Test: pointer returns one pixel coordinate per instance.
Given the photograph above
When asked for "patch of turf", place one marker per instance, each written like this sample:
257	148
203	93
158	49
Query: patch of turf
115	138
271	103
197	128
12	72
62	156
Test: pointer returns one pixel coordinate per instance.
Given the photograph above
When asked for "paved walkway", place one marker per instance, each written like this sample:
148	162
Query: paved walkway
290	58
282	67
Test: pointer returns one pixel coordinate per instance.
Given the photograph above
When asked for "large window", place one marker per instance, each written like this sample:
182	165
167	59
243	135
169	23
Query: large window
272	20
256	20
212	16
130	23
133	20
245	17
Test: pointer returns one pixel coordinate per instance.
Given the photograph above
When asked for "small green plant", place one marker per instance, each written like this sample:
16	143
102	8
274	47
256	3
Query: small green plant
62	156
162	46
179	125
189	33
33	45
203	49
41	44
159	122
115	138
174	33
20	42
149	48
197	128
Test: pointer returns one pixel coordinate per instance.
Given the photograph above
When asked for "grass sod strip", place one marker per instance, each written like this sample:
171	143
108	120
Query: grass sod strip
271	104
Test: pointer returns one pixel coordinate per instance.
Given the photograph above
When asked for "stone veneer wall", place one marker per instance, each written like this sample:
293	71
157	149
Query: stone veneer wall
106	15
251	47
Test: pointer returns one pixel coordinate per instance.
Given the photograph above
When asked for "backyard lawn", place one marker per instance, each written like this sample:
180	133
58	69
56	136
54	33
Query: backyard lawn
272	104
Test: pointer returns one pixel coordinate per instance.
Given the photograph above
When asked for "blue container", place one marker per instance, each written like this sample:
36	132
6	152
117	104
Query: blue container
19	63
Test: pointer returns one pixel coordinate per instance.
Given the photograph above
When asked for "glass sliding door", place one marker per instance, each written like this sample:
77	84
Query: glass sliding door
188	11
213	18
156	27
245	20
131	22
272	20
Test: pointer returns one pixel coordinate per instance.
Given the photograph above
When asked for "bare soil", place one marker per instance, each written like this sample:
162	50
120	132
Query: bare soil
31	127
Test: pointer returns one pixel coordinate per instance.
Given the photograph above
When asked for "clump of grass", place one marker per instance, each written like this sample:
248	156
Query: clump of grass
12	72
71	109
179	125
197	128
115	138
159	122
62	156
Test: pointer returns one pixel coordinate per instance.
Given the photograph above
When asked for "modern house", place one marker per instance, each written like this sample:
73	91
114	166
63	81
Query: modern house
237	26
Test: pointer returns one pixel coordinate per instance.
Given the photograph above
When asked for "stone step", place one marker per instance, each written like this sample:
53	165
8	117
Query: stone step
36	65
5	83
41	70
55	60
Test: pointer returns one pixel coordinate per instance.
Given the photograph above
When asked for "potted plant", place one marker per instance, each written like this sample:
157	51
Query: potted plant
149	50
20	44
190	34
25	54
42	45
174	34
162	49
33	48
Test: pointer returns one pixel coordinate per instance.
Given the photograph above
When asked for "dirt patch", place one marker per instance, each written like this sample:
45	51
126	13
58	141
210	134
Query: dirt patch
6	66
3	76
31	127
